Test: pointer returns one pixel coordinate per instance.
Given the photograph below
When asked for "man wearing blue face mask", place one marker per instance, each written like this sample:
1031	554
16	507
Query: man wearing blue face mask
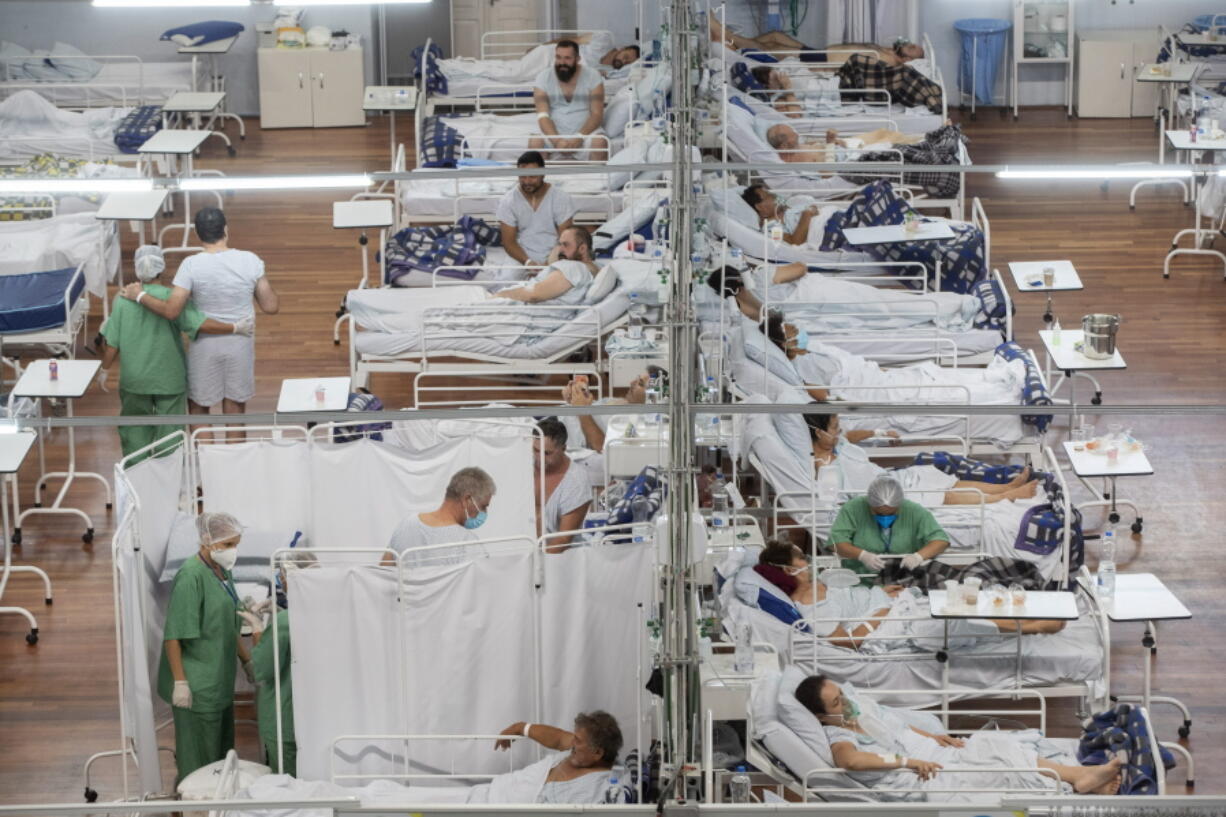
881	524
465	508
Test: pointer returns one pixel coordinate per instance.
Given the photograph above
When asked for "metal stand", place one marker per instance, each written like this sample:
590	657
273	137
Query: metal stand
20	445
1150	642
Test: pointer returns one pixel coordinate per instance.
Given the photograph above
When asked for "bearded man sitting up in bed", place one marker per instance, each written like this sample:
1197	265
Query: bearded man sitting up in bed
566	278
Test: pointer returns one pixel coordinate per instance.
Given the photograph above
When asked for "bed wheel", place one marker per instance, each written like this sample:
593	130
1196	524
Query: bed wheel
336	343
230	150
1097	399
1132	207
1138	526
32	637
16	537
1114	517
1166	275
1015	117
109	506
1184	731
88	536
91	796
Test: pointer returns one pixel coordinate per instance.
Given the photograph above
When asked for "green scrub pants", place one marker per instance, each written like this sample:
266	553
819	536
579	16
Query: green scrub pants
201	738
289	751
133	404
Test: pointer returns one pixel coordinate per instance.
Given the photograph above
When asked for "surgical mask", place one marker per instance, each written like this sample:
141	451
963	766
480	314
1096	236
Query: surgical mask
802	339
474	522
224	557
885	520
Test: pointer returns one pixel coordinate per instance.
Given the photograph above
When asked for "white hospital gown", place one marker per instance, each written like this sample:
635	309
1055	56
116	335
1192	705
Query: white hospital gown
588	788
568	115
222	285
412	533
845	606
576	272
537	229
572	492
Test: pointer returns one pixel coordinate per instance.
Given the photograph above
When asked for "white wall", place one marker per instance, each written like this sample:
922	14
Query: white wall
128	31
1040	85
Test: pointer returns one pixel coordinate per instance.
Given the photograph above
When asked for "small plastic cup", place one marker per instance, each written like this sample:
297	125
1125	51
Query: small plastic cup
1017	595
1049	276
970	591
321	394
998	595
1078	436
953	594
1113	454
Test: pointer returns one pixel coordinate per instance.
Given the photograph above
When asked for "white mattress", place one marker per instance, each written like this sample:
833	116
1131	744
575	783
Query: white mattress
373	345
452	198
1073	655
503	137
494	256
121	83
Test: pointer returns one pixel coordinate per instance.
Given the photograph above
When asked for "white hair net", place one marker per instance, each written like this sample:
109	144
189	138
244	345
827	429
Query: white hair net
149	262
886	491
217	527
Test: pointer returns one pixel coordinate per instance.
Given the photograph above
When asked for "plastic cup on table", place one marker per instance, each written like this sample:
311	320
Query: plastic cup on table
970	591
1078	436
953	594
1017	595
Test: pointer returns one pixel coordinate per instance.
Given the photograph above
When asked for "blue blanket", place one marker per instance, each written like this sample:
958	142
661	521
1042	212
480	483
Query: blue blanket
961	258
425	249
1124	728
1042	526
435	81
135	128
440	143
1034	390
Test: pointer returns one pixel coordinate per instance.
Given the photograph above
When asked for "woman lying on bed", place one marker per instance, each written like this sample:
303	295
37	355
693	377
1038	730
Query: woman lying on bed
855	471
787	568
837	372
877	747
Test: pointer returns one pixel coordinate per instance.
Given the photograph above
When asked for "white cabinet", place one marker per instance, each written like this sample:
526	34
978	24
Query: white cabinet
1043	35
1107	62
311	87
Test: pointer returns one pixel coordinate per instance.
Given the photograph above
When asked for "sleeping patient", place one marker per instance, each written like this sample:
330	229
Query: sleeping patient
784	139
901	52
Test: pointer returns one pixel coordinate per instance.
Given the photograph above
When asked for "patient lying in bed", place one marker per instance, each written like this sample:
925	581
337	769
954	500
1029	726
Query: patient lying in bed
900	53
882	751
784	138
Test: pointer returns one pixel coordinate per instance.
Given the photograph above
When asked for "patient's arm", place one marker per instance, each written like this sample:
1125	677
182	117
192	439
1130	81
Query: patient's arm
841	638
749	304
553	285
786	273
572	521
933	549
551	737
510	243
801	234
847	756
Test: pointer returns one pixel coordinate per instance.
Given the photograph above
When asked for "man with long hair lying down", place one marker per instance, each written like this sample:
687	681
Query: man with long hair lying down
900	53
874	744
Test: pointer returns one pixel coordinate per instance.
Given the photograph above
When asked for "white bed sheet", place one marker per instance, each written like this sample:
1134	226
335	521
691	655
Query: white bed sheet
442	197
503	137
63	241
123	83
30	125
1073	655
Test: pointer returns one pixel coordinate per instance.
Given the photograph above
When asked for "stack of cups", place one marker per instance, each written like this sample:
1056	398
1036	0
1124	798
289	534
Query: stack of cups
953	595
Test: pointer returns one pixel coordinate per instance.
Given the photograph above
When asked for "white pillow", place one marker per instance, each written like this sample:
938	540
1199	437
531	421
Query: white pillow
764	703
37	68
801	721
13	68
604	283
617	112
75	68
730	203
760	349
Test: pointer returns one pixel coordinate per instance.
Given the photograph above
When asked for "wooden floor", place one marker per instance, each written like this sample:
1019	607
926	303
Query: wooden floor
58	700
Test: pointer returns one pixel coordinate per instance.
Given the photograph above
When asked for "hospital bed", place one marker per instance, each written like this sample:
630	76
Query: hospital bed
71	240
45	310
123	81
1074	662
30	125
537	336
801	762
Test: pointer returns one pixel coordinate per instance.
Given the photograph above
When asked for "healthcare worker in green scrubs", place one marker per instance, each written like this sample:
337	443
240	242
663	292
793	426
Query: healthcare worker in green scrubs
883	523
153	367
266	667
201	647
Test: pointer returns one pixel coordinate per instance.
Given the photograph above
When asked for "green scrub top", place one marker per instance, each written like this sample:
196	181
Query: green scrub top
151	347
203	618
265	673
914	528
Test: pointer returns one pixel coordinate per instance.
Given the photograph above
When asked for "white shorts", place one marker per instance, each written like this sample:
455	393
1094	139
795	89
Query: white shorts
925	484
221	367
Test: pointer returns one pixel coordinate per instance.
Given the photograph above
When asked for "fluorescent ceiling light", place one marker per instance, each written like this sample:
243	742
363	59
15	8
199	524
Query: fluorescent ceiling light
167	3
1100	173
76	185
274	182
345	2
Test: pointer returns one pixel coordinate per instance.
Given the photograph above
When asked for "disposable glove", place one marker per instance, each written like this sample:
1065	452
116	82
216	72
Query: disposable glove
912	561
182	695
872	561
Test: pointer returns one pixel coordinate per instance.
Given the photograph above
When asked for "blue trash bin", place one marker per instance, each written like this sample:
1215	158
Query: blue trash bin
983	43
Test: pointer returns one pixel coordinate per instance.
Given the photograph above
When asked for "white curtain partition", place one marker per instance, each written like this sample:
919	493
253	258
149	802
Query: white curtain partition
354	494
147	496
867	21
470	651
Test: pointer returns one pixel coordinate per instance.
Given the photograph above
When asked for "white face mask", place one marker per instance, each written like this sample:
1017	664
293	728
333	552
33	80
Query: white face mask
224	557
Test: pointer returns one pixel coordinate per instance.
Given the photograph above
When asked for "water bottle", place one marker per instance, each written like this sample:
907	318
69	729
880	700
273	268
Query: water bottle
738	788
640	510
742	656
615	792
1055	333
637	312
597	517
719	503
1106	567
736	258
711	392
658	224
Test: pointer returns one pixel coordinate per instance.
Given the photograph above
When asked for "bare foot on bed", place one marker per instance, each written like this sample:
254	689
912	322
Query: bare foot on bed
1103	779
1021	479
832	136
1026	491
